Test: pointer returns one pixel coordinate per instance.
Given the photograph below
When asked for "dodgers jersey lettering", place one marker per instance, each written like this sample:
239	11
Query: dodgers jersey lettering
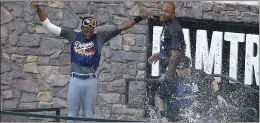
84	51
85	54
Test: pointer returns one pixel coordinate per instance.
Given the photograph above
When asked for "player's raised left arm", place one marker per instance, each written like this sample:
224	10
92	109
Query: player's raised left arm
128	24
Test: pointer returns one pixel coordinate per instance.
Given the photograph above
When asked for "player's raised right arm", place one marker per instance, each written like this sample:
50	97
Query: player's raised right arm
45	21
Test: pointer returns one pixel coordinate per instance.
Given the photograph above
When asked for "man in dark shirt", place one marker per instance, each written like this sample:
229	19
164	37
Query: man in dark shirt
172	39
85	57
189	94
172	42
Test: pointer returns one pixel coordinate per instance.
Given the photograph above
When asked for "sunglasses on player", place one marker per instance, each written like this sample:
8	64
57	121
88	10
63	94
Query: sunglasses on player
89	22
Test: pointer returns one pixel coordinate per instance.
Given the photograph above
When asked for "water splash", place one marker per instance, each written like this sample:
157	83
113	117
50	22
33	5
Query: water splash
153	116
196	112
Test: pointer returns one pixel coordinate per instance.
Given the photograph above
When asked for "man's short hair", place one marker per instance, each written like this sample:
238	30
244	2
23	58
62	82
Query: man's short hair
172	4
184	61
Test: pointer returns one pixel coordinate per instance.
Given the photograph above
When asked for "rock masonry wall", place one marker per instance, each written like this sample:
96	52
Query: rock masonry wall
35	65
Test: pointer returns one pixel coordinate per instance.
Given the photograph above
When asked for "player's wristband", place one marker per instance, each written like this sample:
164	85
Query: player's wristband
138	19
37	7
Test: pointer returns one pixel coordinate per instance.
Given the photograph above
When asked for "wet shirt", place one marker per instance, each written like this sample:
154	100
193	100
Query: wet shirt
85	53
172	38
197	85
182	92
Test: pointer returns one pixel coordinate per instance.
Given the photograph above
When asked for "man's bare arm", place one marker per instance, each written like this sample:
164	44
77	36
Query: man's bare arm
221	100
40	13
215	85
175	54
126	25
160	103
45	21
129	24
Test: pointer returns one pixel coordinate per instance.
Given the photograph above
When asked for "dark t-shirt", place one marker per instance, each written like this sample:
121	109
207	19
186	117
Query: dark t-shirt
101	38
172	38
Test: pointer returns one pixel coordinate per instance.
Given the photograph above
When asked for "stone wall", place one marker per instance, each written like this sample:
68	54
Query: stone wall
35	65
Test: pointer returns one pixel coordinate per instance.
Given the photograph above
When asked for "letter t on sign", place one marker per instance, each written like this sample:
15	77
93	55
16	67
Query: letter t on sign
157	30
234	38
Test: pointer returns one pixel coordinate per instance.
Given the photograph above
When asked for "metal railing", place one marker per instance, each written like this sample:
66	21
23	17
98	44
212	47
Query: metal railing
57	110
21	112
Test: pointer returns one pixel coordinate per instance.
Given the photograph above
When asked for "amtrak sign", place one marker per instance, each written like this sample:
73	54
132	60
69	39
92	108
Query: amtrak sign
227	48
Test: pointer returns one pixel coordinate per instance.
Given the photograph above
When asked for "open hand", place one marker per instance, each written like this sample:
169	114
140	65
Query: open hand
145	15
221	101
34	5
154	58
